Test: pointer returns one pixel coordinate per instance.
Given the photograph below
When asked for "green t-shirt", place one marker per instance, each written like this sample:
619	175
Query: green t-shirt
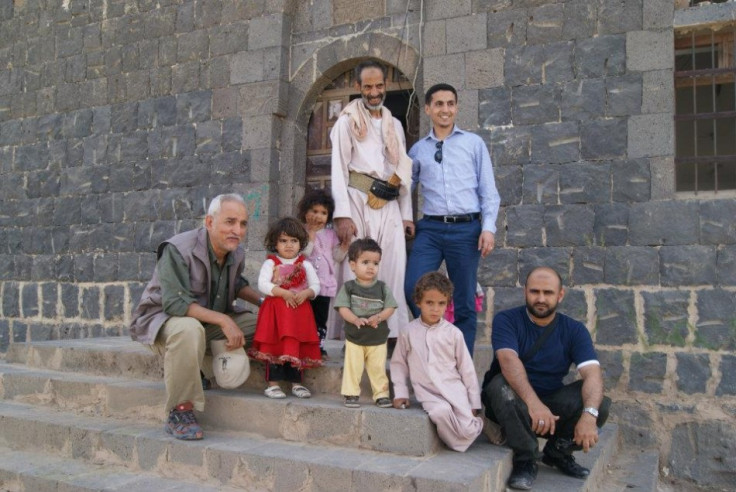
364	302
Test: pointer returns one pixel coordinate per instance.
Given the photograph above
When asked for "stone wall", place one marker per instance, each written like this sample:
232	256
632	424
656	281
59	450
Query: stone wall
118	120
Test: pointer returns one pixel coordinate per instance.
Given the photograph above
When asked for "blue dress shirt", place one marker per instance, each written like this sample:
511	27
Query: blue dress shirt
462	183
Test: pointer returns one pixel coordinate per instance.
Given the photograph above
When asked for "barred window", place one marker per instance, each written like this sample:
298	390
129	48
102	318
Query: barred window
705	113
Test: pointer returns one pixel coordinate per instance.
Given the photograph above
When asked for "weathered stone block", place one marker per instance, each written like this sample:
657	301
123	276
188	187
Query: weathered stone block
569	225
649	50
247	67
449	69
658	92
494	107
209	137
525	225
579	19
90	303
484	69
620	16
575	304
666	317
507	298
556	258
727	386
603	138
438	9
631	180
726	265
510	146
587	265
629	265
612	367
585	183
114	297
555	143
624	95
546	24
499	269
647	371
267	31
11	300
507	28
705	453
70	300
693	372
687	265
651	223
539	64
635	424
534	104
540	184
616	317
716	222
582	99
716	325
601	56
651	135
434	38
467	33
49	294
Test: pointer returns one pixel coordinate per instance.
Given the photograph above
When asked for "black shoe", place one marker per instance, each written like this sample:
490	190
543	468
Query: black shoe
523	475
566	464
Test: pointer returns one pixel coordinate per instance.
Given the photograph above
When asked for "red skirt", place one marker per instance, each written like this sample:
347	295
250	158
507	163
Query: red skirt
286	335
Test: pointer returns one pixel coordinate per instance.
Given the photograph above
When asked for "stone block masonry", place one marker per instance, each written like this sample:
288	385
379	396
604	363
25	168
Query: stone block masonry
119	120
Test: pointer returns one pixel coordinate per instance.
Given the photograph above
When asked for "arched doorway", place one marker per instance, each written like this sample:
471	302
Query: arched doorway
327	107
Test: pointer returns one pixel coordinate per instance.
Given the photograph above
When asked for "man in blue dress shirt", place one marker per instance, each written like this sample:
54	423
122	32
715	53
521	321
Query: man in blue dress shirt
460	206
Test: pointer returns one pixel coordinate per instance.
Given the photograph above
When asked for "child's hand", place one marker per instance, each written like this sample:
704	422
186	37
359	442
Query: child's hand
302	296
401	403
361	322
289	297
374	320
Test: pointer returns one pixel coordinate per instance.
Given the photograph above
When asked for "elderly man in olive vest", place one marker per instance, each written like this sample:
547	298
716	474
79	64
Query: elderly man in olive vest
190	302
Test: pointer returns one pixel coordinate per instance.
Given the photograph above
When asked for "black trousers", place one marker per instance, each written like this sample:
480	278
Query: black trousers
504	407
283	372
321	309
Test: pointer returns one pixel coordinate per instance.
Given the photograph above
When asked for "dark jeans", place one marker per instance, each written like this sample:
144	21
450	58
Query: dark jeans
457	245
504	407
283	372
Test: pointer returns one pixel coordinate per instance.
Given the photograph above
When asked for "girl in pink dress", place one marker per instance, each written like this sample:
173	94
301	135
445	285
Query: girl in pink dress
286	335
323	252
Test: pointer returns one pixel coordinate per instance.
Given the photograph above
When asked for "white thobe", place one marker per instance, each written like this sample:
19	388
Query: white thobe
384	225
438	364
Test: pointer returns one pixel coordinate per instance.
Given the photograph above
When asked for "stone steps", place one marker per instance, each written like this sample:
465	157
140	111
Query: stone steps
39	472
320	419
237	460
634	469
119	356
99	403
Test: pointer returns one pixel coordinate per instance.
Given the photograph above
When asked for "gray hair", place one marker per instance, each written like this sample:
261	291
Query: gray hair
216	203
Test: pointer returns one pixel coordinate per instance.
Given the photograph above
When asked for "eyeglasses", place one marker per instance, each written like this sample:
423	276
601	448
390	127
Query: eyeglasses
438	154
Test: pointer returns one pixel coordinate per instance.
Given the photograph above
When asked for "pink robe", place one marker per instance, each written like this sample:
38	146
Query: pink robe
443	377
385	225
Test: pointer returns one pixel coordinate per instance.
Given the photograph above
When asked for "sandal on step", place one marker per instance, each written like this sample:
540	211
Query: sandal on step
300	391
274	392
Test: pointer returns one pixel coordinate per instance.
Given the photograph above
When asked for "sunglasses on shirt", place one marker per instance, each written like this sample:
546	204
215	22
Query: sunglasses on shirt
438	154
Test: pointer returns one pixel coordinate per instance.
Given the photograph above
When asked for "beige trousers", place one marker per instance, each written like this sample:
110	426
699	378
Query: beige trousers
373	359
183	341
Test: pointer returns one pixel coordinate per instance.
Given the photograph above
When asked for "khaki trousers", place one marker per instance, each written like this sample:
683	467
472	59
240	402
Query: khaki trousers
373	359
183	341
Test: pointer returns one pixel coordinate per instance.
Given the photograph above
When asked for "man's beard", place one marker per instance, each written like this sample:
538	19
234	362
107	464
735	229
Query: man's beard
541	314
377	106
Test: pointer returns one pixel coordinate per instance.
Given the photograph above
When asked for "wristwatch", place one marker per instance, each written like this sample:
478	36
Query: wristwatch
591	410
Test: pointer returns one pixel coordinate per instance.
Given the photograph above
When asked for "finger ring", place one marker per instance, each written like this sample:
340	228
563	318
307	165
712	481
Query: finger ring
541	422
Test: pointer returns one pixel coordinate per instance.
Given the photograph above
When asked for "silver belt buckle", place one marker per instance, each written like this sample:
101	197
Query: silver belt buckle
448	219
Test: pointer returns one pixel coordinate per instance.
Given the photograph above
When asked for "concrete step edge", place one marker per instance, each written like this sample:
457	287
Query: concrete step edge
20	470
237	459
320	419
631	469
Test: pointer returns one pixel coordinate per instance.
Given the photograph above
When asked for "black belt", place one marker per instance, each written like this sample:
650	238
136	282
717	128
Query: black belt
451	219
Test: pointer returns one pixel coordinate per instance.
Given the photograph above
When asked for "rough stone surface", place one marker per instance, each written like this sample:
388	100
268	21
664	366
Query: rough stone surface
704	452
666	317
647	371
631	266
716	326
687	265
649	223
693	372
616	317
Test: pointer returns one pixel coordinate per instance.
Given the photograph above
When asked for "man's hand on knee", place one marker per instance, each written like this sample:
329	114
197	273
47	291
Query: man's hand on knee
543	421
235	337
586	432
